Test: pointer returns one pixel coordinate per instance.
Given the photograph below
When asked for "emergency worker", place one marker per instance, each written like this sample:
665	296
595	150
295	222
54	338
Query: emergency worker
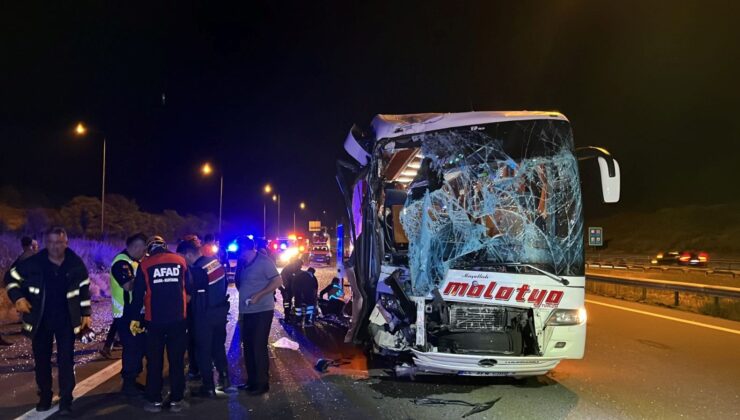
210	246
333	304
305	289
30	247
51	290
162	287
193	369
122	276
286	290
210	307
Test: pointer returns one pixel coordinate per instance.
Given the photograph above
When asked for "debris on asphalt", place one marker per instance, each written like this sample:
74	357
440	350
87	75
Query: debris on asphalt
476	408
322	365
286	343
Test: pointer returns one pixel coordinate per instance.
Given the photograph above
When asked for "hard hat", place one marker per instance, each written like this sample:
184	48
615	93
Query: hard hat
155	242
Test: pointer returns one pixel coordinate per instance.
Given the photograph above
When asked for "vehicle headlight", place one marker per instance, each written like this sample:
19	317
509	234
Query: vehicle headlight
288	254
567	317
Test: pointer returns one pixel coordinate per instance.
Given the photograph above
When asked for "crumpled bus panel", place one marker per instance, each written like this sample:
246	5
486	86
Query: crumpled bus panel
480	203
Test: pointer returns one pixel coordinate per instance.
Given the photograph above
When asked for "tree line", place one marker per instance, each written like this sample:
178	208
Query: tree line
81	218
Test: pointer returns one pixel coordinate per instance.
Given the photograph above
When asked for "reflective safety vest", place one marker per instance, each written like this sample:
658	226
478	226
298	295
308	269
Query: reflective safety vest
118	296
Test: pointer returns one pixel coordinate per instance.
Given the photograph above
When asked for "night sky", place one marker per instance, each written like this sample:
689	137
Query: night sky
267	93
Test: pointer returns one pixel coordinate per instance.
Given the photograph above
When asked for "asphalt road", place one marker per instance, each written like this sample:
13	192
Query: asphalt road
642	362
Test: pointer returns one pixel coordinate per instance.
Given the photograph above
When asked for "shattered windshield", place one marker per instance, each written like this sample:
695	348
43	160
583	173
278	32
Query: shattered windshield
493	194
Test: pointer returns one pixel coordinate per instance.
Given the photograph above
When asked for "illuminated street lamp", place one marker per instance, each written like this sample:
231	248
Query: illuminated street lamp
276	198
81	131
301	206
207	170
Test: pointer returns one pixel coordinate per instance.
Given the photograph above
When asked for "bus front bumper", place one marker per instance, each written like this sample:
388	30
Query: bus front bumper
482	365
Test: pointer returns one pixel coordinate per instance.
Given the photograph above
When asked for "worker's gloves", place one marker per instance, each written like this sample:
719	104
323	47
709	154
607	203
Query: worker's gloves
135	328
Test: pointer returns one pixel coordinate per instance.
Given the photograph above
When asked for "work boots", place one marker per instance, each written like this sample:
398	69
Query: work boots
224	383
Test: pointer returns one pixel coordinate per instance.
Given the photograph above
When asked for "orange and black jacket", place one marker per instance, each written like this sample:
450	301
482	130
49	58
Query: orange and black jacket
162	285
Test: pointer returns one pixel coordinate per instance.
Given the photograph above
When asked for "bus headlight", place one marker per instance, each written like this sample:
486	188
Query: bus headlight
567	317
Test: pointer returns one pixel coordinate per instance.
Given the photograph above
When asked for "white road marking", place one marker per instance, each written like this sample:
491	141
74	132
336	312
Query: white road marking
685	321
81	389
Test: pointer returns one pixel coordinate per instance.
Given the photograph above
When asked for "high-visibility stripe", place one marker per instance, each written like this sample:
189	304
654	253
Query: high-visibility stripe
85	282
12	286
15	275
77	330
85	302
27	327
73	293
34	290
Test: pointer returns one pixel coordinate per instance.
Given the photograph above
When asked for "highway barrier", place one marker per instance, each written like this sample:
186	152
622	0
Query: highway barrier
720	301
725	267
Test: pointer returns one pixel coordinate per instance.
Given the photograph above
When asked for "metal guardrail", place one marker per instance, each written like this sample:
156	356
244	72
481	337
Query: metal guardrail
645	261
673	286
731	268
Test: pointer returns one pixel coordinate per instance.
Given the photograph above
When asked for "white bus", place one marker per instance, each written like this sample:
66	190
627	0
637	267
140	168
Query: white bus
468	232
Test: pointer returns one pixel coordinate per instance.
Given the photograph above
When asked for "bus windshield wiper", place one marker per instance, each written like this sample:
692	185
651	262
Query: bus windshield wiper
561	280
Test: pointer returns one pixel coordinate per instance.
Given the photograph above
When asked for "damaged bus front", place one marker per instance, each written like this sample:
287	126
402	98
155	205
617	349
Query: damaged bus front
468	240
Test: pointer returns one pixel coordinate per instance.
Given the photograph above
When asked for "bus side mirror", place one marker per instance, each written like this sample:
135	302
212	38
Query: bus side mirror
609	169
358	145
610	178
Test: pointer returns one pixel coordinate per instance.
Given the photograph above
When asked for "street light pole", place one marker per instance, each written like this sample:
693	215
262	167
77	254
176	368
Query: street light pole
301	206
102	194
81	131
264	219
220	204
207	170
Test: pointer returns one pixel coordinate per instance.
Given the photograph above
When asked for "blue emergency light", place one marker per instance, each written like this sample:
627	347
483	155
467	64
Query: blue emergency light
233	247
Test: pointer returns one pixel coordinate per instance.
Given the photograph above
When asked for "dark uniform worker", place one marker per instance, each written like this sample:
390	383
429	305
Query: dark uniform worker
333	304
257	279
161	287
286	290
30	248
305	289
52	291
122	274
193	370
209	308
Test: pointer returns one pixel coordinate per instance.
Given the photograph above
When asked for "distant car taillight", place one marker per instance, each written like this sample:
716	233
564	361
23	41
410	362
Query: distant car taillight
703	257
684	257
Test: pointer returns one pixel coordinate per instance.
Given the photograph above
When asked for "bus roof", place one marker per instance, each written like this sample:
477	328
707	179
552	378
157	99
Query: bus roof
391	126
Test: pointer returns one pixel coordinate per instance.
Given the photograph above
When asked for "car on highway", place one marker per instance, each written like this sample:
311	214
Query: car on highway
666	258
286	249
320	254
693	258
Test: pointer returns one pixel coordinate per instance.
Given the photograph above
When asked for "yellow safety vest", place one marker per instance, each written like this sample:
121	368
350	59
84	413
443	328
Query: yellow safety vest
117	294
